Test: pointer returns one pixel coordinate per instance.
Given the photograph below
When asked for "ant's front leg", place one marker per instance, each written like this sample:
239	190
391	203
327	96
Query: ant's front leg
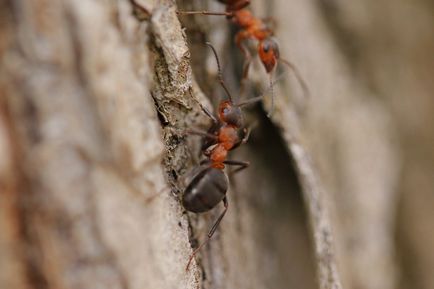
242	165
204	109
195	131
247	131
240	37
208	140
209	114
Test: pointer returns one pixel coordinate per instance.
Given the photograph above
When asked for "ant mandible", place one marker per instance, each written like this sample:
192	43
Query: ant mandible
252	27
209	185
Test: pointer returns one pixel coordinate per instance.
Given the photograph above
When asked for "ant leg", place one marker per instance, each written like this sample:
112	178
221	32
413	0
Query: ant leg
246	137
227	14
239	39
195	131
250	101
246	66
208	139
242	165
260	97
211	232
208	113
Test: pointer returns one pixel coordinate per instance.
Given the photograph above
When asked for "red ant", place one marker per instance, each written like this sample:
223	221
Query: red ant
208	187
252	27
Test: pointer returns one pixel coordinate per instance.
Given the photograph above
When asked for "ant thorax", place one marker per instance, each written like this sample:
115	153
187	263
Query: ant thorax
243	18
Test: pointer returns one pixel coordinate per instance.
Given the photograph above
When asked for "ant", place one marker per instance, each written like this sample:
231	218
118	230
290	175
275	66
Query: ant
209	185
252	27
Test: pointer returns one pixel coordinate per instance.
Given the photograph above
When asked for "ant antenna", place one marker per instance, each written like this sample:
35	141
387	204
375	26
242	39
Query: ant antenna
297	75
222	83
261	96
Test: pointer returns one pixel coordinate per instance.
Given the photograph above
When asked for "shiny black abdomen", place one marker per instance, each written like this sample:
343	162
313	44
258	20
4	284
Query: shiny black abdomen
205	191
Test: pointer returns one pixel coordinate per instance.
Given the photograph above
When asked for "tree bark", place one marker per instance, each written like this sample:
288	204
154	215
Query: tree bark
95	101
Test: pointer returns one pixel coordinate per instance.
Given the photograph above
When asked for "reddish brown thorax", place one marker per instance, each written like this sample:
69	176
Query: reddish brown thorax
227	139
231	117
228	136
218	156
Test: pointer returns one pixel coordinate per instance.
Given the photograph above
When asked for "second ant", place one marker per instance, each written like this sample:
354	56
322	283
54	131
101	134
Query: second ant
208	186
251	27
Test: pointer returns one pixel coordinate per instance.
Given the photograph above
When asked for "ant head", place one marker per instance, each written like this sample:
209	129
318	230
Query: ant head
230	113
268	53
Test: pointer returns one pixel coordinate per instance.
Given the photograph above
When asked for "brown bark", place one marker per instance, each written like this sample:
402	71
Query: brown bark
95	98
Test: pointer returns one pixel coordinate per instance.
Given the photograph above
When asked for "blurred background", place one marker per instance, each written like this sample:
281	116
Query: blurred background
91	97
368	125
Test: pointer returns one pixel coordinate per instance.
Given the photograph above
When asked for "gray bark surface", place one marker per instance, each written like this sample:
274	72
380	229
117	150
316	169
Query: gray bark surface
95	101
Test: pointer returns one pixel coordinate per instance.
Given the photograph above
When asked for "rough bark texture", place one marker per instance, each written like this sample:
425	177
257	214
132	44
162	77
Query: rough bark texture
95	99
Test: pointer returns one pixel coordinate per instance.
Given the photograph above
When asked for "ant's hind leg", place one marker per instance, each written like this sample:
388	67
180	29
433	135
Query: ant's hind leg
207	138
246	66
211	232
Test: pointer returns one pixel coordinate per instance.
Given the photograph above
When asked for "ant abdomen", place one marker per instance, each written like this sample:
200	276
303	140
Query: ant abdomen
205	191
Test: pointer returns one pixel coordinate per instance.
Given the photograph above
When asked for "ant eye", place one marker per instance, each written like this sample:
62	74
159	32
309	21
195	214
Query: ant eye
266	47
